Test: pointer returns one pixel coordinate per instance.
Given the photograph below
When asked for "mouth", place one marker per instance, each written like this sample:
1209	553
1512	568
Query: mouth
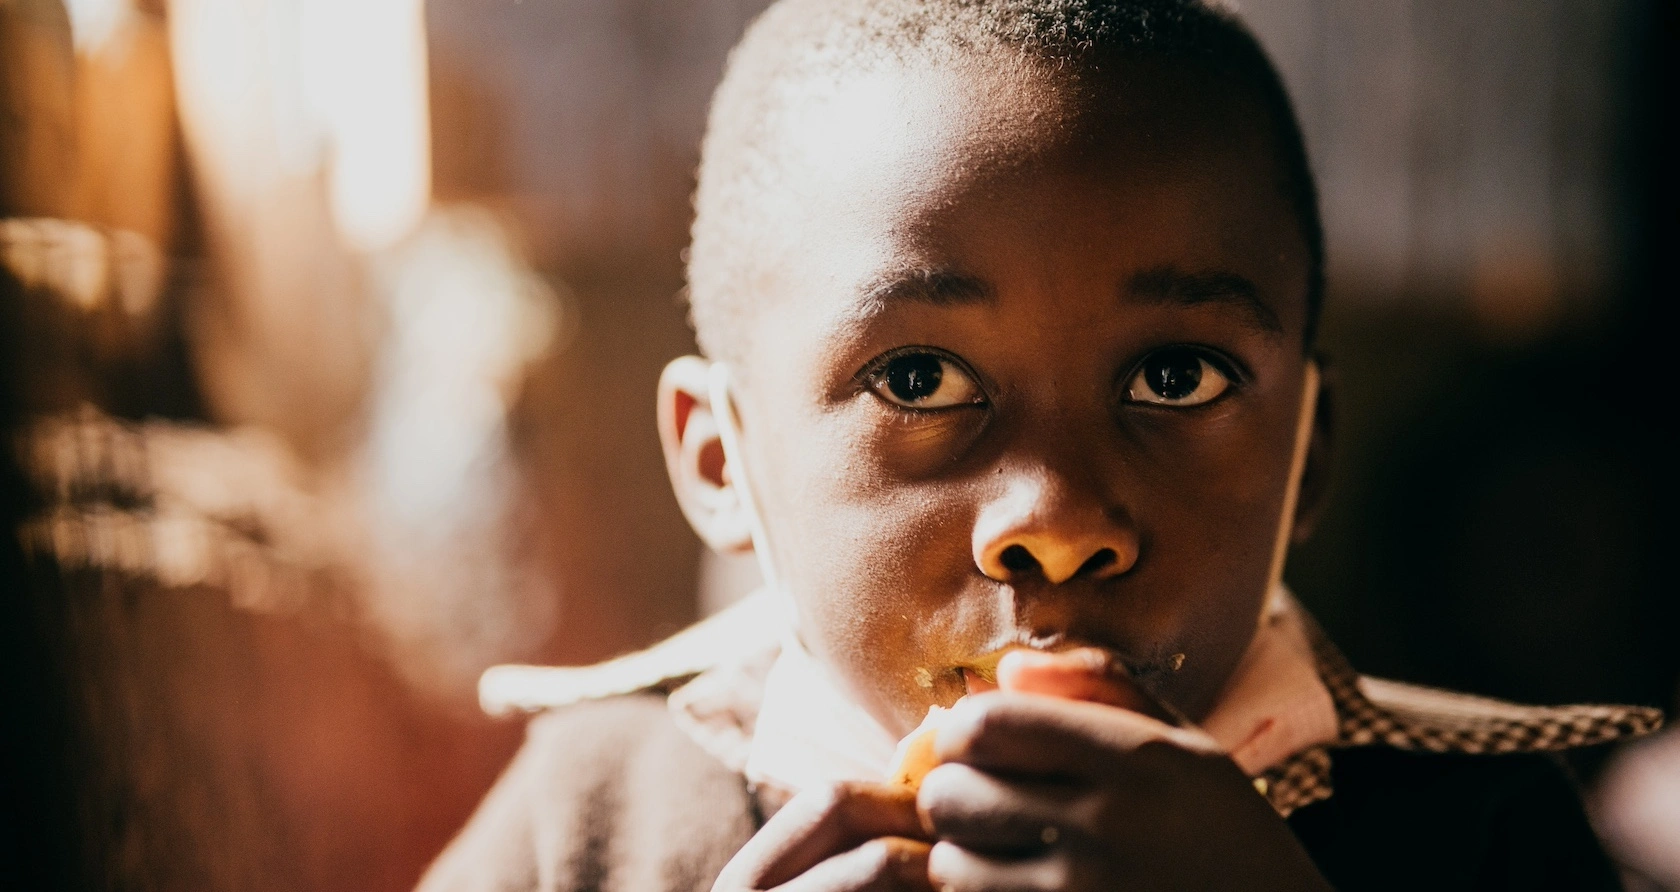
984	667
979	674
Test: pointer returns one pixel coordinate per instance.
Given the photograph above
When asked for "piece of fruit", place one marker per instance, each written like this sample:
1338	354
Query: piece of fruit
915	755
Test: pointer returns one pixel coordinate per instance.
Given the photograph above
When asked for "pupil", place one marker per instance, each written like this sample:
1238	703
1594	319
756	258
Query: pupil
1174	376
913	378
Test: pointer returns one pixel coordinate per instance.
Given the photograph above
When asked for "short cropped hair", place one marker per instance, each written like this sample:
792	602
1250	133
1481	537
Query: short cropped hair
799	42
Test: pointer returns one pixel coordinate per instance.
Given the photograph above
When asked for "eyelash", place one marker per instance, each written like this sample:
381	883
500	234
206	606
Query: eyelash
863	380
1233	371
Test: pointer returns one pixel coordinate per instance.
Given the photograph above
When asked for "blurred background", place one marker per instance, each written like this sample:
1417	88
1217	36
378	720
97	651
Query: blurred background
328	339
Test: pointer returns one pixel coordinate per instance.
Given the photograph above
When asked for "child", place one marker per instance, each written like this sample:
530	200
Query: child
1009	309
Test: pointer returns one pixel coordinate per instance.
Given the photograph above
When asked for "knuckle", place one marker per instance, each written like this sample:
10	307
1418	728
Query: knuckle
944	865
1095	810
828	801
967	714
1055	871
1159	759
938	786
953	793
815	807
979	723
1197	741
878	858
732	879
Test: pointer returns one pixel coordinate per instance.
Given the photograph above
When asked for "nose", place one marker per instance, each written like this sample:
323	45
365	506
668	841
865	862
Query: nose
1049	525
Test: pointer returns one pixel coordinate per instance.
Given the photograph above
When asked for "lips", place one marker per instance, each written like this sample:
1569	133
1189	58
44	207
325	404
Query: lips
980	674
978	682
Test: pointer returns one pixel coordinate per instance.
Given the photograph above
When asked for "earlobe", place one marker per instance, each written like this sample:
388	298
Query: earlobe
1315	475
694	457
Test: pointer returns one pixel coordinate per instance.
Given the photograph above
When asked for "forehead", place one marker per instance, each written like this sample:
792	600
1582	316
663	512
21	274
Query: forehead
1149	162
991	110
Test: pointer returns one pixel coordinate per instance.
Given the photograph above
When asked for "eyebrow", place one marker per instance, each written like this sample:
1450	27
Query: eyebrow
1166	284
1162	284
935	287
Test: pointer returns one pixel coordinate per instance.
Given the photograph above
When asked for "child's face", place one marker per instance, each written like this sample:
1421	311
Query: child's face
1028	372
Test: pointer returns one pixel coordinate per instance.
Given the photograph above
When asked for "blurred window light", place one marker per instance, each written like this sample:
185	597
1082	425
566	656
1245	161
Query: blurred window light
364	74
436	482
94	22
85	267
279	89
218	63
466	316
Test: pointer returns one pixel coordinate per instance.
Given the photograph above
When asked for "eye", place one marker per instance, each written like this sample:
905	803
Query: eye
923	380
1177	377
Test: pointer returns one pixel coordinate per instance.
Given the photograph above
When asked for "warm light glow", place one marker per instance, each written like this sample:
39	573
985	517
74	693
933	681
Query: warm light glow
85	267
278	90
465	317
436	478
364	73
94	22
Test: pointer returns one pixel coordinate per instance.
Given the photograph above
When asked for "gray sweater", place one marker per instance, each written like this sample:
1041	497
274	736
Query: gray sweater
609	796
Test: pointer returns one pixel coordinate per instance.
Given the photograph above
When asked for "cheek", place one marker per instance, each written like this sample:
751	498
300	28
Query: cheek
878	574
1209	538
919	451
849	517
1217	490
1222	513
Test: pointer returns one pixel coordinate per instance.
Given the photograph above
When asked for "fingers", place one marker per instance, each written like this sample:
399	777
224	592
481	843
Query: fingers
953	868
1086	673
988	814
888	864
816	826
1043	736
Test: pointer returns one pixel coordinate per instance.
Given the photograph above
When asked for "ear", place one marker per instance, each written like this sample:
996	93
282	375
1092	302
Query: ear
1315	474
694	457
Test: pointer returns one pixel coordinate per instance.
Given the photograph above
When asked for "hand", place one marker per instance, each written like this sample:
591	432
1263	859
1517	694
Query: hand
1103	792
844	838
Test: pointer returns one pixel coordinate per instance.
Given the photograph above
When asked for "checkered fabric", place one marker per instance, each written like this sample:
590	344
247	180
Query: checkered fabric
1377	712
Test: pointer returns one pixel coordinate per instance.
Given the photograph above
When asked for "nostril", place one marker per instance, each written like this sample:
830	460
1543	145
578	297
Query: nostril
1017	559
1096	563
